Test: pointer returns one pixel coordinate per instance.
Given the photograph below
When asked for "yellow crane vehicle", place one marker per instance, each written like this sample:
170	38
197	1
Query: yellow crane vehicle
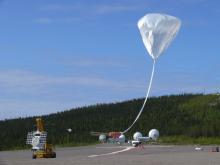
38	140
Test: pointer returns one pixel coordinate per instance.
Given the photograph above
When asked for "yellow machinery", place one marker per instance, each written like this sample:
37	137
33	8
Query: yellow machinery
39	144
47	152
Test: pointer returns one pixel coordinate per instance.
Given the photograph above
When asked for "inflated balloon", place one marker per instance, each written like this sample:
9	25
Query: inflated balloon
157	31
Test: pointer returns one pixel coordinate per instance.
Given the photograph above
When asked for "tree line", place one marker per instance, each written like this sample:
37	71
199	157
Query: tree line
193	115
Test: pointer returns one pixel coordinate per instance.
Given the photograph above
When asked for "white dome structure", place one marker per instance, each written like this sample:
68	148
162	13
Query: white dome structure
154	134
137	135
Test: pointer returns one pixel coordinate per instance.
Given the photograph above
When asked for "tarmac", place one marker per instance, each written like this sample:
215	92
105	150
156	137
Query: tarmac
109	154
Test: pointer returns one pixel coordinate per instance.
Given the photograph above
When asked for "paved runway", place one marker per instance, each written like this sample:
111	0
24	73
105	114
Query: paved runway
116	155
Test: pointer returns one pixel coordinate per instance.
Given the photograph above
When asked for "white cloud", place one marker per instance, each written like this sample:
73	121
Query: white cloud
59	8
25	82
24	93
176	82
21	78
94	62
13	108
56	20
102	9
96	9
43	21
72	13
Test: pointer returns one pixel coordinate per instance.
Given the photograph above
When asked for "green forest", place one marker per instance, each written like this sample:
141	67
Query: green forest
186	115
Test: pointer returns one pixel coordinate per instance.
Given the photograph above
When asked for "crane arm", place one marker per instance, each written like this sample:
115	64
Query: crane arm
40	126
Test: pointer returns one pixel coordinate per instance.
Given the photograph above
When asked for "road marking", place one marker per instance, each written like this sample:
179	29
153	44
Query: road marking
158	146
112	153
113	147
147	146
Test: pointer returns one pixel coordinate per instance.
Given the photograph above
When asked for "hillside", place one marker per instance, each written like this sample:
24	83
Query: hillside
191	115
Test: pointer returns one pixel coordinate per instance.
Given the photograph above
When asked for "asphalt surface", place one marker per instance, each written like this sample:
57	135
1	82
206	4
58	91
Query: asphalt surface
116	155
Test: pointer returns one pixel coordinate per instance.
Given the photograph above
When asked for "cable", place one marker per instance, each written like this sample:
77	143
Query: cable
142	108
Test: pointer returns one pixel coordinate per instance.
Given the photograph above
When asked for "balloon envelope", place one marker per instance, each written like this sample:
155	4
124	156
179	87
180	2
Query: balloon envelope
158	31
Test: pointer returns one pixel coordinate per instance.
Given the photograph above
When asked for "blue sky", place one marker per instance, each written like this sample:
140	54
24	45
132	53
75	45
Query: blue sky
56	54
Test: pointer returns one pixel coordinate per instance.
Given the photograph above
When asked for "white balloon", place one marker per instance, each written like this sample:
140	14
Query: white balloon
158	31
